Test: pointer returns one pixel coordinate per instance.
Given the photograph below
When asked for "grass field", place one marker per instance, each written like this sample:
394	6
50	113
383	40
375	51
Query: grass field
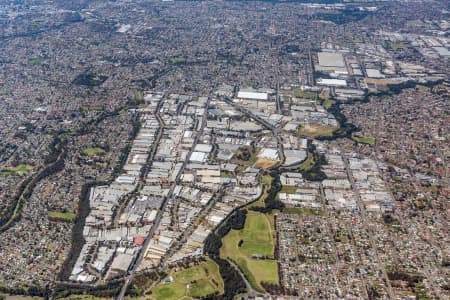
264	163
19	170
365	140
194	282
257	238
61	216
86	108
315	130
94	151
305	95
397	46
308	163
37	62
303	211
327	103
177	60
245	156
266	181
422	88
139	95
288	189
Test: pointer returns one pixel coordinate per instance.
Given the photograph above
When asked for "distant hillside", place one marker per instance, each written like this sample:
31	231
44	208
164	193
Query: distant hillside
297	1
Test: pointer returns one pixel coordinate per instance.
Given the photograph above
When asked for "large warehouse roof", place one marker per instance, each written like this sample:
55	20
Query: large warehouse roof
331	82
331	59
253	95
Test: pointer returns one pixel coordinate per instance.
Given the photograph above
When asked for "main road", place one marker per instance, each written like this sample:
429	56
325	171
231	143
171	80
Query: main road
364	222
263	122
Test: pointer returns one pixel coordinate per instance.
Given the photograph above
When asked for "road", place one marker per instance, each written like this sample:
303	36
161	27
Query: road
335	251
250	291
186	233
364	222
262	122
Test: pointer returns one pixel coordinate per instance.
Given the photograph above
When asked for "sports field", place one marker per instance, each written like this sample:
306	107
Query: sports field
194	282
252	249
94	151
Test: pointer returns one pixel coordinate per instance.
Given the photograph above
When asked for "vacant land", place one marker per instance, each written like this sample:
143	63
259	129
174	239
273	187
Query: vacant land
194	282
62	216
265	163
379	82
252	249
365	140
94	151
19	170
84	297
314	130
19	297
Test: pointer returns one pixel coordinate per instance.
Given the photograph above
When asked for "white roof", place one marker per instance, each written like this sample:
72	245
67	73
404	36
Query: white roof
330	59
187	177
122	261
125	179
203	148
253	95
216	219
374	73
152	215
442	51
198	156
165	240
331	82
269	153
